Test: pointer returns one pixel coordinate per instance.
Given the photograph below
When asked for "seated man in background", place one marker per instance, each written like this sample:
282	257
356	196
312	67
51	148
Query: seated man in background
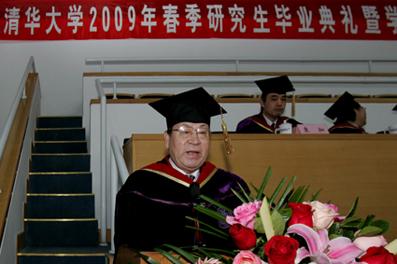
273	102
350	116
391	128
152	205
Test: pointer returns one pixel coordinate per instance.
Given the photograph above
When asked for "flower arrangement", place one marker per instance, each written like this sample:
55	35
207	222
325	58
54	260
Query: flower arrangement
287	228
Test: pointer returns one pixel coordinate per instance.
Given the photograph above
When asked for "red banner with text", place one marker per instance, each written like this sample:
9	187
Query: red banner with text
238	19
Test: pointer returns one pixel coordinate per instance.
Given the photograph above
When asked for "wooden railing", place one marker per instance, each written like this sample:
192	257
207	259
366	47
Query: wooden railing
12	148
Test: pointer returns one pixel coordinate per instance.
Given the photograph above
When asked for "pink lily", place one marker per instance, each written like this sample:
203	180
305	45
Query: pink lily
321	250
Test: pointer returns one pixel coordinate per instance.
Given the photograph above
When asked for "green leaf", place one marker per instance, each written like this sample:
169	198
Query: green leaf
295	197
210	232
277	191
303	194
216	203
211	213
278	223
382	224
315	195
368	220
352	222
258	226
216	251
241	198
265	180
224	256
370	231
264	213
209	227
148	259
352	209
285	213
169	256
188	256
286	192
247	197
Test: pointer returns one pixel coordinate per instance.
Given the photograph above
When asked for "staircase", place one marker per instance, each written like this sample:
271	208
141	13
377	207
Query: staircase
59	223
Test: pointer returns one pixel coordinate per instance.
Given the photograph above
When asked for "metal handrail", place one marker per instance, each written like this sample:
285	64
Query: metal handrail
369	63
116	159
21	94
118	172
103	144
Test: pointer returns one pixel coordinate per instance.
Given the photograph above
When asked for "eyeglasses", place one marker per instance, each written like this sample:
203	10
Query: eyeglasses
186	132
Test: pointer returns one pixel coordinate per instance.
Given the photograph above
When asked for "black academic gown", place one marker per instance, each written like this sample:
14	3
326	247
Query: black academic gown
345	128
257	124
152	205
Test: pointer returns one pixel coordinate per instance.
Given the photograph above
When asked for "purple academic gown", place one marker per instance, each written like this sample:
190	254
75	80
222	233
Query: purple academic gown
152	205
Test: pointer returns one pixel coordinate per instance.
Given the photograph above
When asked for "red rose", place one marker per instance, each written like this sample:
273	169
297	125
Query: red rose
378	255
243	237
301	214
281	250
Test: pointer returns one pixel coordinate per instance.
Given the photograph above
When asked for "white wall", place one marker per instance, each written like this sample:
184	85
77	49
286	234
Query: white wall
61	63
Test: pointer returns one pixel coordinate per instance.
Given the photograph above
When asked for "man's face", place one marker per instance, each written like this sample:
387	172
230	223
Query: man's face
274	105
188	145
361	116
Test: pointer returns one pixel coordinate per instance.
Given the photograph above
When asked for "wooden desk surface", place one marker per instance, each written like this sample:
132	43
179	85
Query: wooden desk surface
343	166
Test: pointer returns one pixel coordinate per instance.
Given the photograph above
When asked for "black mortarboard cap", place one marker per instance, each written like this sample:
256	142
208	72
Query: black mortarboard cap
279	85
196	106
395	108
342	107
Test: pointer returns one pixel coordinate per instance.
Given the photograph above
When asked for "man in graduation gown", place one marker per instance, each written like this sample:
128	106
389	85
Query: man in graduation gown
350	117
152	205
273	102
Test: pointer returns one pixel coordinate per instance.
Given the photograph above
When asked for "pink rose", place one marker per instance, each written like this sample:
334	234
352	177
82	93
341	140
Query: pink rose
246	257
323	214
364	243
245	214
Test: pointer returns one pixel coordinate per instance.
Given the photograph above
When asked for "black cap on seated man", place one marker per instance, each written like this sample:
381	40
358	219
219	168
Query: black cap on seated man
348	115
273	102
152	205
279	85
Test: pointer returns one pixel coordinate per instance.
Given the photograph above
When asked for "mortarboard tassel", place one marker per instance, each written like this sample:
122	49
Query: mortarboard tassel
293	103
226	138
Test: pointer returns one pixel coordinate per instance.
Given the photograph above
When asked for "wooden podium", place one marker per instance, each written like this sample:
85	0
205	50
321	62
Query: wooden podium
343	166
129	256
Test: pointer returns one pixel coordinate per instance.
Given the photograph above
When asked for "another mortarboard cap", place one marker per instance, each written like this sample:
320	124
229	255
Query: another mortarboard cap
395	108
279	85
196	106
342	107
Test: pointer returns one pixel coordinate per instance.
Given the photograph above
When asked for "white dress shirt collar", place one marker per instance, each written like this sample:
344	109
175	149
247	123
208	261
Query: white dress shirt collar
195	173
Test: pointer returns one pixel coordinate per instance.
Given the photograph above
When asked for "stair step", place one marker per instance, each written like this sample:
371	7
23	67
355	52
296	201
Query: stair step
63	255
62	232
60	182
60	225
59	147
60	162
59	134
60	206
58	121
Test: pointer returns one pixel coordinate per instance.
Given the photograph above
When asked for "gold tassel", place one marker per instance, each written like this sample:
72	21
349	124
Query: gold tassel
293	103
226	138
